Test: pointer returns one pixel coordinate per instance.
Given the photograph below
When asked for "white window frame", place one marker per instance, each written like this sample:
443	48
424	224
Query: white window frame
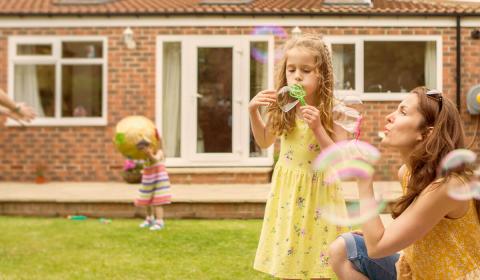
56	60
359	41
243	99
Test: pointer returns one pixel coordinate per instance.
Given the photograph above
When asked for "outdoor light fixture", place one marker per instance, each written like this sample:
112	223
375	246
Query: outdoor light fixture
476	34
128	38
296	32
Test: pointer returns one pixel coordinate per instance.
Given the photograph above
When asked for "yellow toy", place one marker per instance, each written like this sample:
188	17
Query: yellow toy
133	133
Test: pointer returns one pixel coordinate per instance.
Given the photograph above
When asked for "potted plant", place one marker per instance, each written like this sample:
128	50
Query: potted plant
132	171
40	174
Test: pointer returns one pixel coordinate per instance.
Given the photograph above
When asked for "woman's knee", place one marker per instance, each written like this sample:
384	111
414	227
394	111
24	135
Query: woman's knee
337	251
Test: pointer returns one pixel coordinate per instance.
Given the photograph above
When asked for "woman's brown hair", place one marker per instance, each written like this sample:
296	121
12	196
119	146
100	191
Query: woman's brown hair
447	135
281	122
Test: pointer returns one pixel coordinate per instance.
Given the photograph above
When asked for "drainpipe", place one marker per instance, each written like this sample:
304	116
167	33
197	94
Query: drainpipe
459	62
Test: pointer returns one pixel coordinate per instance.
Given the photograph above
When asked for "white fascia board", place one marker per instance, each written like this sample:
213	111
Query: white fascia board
314	21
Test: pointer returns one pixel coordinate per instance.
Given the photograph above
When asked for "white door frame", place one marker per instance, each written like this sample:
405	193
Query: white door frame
240	98
190	90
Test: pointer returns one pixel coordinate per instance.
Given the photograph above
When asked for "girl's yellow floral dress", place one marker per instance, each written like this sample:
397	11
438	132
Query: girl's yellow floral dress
294	239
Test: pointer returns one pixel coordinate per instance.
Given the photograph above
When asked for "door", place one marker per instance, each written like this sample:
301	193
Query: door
212	110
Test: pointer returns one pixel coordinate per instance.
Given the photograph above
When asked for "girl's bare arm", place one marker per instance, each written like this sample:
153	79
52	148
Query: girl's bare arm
261	133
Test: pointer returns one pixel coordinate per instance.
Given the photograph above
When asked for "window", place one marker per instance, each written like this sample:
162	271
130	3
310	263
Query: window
343	59
63	79
398	66
385	67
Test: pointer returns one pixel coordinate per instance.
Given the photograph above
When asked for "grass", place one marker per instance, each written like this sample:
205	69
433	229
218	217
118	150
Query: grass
55	248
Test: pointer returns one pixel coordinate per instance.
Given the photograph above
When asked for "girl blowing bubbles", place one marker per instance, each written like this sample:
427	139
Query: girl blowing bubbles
294	239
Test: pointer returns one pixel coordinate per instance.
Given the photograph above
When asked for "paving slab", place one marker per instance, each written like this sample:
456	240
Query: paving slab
122	192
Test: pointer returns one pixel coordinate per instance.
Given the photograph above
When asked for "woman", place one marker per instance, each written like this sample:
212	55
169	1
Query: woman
439	236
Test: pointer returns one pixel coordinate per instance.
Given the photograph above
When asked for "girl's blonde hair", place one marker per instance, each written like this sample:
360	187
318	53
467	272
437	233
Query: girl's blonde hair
282	123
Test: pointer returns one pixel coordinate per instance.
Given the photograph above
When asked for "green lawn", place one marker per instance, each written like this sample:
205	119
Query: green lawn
55	248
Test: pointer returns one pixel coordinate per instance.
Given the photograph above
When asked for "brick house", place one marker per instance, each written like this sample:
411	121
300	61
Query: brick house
193	65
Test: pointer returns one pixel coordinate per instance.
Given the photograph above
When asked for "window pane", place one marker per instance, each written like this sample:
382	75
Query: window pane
34	49
35	86
214	102
82	50
399	66
343	57
82	90
258	82
171	112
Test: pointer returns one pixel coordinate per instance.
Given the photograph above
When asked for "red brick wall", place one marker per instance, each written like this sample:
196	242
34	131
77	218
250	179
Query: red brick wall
87	153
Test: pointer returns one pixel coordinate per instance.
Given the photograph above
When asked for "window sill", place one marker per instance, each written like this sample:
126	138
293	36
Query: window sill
380	96
61	122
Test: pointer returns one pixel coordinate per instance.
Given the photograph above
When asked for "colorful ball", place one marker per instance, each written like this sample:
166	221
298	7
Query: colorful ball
135	131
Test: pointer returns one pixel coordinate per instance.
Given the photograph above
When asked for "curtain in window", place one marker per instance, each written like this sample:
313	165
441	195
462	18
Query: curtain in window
171	99
430	65
338	67
26	87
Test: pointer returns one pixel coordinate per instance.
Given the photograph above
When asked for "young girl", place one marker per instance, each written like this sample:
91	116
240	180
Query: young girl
294	239
155	189
439	236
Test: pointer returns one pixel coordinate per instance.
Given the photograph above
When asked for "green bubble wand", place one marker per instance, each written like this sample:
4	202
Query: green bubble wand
296	91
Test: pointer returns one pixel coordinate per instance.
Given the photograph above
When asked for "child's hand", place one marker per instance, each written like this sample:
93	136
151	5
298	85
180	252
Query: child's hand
263	98
160	156
148	151
312	116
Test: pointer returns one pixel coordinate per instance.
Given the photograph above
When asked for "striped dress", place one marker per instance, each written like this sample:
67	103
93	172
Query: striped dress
155	188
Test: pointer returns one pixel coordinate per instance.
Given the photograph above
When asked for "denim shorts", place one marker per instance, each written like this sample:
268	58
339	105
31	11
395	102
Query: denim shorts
374	269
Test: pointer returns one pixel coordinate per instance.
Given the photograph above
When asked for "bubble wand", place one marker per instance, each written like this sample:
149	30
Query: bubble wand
357	128
296	91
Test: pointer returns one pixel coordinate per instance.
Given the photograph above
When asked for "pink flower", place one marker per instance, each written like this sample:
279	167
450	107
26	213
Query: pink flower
128	164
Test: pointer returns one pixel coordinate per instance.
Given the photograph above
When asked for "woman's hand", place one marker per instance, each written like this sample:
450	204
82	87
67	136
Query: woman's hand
357	232
312	116
25	112
365	183
22	112
263	98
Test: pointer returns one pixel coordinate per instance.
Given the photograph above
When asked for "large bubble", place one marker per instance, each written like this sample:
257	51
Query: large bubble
466	187
261	54
348	150
341	164
353	214
347	113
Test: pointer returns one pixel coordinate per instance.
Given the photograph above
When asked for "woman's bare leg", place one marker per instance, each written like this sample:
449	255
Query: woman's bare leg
339	262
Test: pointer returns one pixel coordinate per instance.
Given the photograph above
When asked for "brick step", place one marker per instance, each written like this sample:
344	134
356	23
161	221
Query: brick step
177	210
238	201
223	175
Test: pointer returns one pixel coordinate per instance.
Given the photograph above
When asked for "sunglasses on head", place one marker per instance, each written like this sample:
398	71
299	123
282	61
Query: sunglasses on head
437	95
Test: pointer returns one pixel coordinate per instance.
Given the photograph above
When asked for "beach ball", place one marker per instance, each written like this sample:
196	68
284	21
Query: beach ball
133	132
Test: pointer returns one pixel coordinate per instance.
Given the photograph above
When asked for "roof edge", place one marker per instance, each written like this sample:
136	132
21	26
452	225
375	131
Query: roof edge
272	14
